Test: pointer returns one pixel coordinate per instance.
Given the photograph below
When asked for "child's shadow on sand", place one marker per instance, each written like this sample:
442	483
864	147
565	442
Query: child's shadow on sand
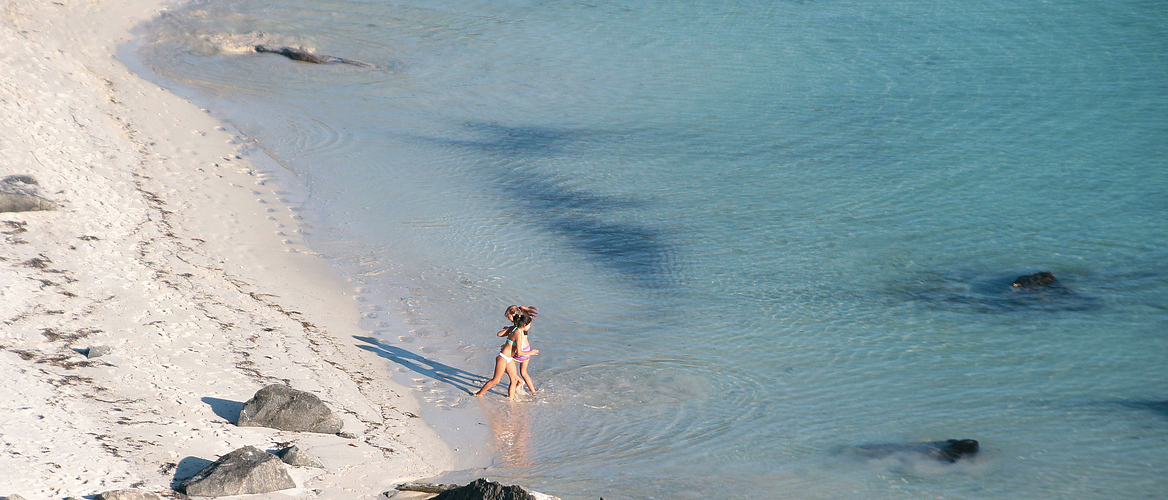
461	379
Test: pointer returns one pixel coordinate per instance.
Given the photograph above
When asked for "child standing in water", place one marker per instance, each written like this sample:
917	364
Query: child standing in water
523	357
525	352
505	360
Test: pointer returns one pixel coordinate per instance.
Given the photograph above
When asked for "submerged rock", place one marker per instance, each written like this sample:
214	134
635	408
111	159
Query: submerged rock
21	193
947	451
127	495
1043	278
282	407
481	489
293	456
245	471
302	55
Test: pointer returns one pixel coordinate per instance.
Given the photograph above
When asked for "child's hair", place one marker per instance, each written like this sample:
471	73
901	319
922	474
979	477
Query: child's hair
517	310
522	320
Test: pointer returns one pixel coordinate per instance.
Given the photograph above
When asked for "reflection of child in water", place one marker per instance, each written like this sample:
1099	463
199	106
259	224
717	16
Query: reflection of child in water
511	426
516	345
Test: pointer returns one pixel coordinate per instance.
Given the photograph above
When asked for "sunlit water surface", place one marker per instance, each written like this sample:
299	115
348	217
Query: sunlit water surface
757	232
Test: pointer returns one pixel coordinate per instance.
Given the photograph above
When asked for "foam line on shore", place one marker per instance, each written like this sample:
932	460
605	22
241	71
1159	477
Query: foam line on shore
178	253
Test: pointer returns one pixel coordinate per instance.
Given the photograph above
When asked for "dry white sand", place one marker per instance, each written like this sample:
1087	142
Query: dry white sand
182	258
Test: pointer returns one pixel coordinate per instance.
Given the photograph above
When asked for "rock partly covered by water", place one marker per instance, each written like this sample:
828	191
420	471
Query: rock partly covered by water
481	489
424	487
127	495
245	471
295	457
1043	278
947	451
282	407
21	193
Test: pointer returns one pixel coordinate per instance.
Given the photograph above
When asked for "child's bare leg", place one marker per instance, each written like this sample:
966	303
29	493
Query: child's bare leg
500	367
526	377
513	380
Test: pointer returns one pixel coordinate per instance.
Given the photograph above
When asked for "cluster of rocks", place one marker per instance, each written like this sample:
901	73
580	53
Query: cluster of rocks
250	470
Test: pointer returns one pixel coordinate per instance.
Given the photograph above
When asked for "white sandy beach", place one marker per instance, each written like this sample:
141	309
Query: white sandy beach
183	259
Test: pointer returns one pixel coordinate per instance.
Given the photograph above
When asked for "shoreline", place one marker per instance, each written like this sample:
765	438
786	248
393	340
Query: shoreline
170	247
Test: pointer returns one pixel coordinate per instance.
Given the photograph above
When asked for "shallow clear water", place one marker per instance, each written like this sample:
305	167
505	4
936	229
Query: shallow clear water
757	232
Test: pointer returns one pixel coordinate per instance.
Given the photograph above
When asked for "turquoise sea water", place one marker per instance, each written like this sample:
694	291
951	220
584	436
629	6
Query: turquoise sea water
757	232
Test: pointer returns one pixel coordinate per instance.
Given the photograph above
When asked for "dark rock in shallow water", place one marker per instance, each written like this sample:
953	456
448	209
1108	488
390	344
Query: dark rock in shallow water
974	291
293	456
425	487
481	489
302	55
282	407
127	495
948	451
1032	280
20	193
245	471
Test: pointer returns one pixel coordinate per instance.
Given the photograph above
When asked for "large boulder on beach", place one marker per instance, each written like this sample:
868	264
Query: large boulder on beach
21	193
282	407
127	495
246	471
481	489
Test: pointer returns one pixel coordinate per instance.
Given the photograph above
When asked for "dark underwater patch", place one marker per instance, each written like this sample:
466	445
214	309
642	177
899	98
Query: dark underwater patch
1157	407
995	293
588	221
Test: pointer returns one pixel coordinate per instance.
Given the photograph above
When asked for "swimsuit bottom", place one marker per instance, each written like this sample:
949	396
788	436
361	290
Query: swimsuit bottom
506	357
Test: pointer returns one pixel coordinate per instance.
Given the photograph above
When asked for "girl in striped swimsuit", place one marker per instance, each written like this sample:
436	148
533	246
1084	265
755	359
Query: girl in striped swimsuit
525	350
505	360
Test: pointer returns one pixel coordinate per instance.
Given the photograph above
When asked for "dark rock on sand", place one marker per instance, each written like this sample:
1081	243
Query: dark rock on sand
481	489
98	351
948	451
302	55
245	471
282	407
293	456
20	193
1032	280
127	495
